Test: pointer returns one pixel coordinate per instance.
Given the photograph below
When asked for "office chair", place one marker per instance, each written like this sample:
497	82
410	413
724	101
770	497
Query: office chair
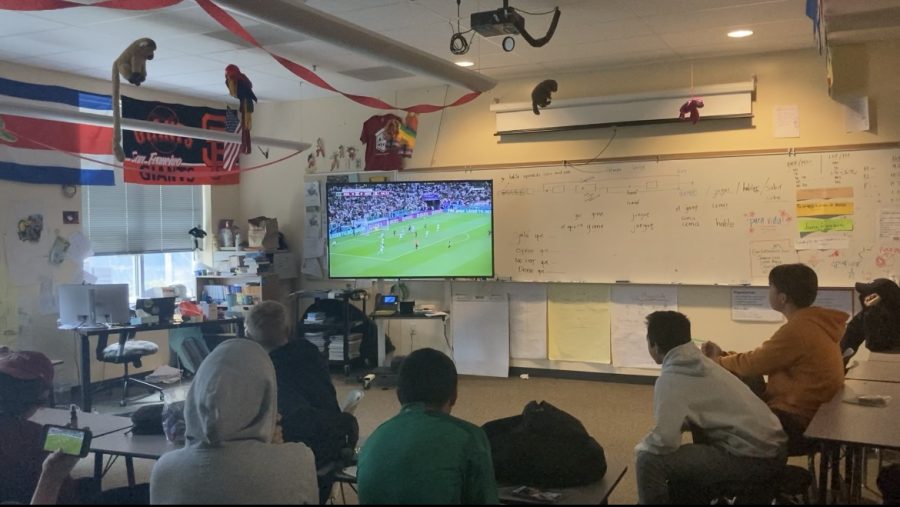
127	350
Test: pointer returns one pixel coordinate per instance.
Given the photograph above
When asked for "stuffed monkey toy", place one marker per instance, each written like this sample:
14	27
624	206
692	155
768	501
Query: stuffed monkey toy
131	65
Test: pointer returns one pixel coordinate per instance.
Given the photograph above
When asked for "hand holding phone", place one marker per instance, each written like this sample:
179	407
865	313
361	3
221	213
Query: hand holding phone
71	441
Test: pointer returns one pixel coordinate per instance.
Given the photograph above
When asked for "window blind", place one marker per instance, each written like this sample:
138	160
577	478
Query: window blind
133	219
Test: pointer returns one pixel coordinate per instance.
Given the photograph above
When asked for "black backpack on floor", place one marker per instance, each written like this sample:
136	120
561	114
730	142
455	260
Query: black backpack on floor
544	447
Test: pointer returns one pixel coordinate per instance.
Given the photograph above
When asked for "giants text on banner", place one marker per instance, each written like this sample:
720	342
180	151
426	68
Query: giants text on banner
158	159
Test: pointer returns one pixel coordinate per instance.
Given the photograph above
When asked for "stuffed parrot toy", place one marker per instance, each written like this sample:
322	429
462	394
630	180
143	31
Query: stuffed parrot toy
240	87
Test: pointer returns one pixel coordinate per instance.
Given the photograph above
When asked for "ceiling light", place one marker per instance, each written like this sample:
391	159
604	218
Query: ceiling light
737	34
465	63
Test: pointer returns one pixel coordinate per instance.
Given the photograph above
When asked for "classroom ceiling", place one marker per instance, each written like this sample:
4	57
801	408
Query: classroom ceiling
592	34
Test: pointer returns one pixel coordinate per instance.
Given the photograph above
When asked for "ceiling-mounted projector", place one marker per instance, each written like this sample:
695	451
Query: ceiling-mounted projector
507	21
498	22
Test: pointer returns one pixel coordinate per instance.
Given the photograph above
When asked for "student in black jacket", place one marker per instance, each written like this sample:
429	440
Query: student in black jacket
307	400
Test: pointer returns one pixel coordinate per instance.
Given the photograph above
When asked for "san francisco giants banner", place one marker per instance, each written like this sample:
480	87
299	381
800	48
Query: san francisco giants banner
156	159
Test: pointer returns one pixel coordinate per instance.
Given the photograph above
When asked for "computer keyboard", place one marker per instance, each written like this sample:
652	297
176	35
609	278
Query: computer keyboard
384	313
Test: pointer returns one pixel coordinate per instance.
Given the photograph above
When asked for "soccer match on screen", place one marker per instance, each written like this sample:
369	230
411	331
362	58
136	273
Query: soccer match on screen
410	229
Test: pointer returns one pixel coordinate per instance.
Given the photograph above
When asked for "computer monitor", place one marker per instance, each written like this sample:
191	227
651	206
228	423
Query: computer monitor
93	305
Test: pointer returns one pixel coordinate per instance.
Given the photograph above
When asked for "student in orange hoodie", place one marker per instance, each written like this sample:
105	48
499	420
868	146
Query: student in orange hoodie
802	359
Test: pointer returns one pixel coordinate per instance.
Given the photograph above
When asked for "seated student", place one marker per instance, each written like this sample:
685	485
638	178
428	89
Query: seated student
878	323
802	359
230	454
736	437
423	455
307	400
25	381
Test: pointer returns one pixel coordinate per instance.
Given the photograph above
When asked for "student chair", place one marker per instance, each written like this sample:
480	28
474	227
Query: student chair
790	486
127	350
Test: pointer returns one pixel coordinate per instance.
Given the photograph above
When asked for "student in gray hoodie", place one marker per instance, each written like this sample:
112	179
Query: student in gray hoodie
229	456
736	436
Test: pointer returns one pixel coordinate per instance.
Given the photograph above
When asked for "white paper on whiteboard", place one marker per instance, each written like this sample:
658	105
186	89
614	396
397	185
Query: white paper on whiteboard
528	320
481	335
752	305
631	305
889	226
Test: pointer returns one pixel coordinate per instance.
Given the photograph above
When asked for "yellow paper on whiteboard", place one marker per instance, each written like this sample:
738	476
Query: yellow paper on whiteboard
578	323
813	209
806	225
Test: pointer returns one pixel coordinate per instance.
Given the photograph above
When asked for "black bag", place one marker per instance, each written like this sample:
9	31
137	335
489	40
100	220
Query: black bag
148	420
889	484
544	447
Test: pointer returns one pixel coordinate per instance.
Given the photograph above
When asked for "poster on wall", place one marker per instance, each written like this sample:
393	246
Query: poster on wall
158	159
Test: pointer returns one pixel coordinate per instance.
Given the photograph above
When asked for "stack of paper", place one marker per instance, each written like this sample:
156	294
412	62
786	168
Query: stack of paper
317	339
336	347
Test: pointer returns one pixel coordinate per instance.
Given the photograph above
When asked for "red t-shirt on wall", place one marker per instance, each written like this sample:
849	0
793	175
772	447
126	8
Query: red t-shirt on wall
379	135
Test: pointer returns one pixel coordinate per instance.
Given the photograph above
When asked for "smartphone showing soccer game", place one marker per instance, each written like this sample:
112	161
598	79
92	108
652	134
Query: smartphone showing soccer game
72	441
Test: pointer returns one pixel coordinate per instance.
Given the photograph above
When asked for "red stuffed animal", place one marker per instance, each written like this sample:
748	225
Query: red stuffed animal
691	107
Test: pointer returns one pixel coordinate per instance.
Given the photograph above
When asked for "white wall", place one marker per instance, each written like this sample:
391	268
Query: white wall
24	322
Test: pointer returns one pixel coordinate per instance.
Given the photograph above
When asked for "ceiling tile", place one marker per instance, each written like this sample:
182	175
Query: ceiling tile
16	23
770	33
83	16
592	34
163	67
731	17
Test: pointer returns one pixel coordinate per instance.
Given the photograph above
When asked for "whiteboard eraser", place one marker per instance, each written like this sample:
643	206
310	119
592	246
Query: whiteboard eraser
623	281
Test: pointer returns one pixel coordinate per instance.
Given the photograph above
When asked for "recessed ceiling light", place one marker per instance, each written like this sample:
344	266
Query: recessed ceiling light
737	34
465	63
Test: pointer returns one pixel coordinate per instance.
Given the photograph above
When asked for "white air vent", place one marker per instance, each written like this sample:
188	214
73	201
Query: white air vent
382	73
720	101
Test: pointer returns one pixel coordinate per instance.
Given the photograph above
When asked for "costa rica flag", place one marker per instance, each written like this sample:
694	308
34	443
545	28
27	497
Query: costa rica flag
47	151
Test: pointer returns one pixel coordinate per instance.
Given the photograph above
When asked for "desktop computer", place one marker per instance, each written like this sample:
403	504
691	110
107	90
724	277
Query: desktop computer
97	305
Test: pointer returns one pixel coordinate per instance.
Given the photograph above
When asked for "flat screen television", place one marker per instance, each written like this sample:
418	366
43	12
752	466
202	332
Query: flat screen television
410	229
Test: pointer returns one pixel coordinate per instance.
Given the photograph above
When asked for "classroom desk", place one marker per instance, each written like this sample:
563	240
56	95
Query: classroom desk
591	494
123	332
127	444
856	426
891	357
99	424
379	323
881	371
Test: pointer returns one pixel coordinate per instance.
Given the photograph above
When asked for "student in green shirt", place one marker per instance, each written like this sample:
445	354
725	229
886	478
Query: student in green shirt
423	455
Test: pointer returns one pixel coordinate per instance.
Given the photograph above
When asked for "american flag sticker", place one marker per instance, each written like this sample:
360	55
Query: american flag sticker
232	150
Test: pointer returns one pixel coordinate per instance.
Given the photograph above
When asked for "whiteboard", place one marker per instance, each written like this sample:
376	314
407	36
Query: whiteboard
705	221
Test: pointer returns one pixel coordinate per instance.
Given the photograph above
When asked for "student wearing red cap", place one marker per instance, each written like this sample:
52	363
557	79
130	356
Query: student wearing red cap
25	381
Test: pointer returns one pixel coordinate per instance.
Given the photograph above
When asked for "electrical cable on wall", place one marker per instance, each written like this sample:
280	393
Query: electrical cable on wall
575	166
